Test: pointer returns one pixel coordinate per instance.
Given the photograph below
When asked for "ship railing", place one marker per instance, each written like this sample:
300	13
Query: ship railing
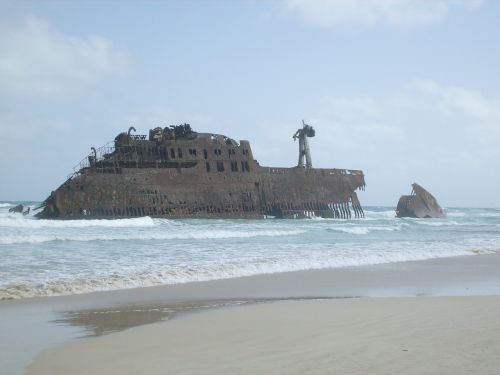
138	137
279	170
101	153
351	172
334	171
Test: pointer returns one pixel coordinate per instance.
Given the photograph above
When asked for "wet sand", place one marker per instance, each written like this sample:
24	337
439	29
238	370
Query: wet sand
34	325
427	335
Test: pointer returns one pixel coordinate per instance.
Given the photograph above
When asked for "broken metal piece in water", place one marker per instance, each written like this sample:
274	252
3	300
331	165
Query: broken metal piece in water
420	204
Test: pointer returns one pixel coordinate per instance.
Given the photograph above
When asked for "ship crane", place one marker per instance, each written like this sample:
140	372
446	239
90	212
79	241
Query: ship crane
304	150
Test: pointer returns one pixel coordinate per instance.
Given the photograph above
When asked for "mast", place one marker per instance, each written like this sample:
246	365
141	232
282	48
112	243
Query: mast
304	150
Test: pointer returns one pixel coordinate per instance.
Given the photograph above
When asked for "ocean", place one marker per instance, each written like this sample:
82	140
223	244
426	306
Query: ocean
47	258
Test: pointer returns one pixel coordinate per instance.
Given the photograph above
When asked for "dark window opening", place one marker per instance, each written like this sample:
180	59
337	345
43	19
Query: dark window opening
205	154
179	153
234	166
208	166
172	153
220	166
245	167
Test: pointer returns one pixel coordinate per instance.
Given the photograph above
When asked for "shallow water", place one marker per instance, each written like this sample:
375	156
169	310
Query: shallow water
45	257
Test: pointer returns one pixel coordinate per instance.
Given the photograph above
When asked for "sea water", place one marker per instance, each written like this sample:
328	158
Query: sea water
54	257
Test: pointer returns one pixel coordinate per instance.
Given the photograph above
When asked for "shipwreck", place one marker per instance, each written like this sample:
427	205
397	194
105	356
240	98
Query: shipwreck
419	204
175	172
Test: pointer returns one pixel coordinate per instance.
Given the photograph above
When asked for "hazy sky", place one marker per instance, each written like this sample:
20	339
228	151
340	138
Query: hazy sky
406	90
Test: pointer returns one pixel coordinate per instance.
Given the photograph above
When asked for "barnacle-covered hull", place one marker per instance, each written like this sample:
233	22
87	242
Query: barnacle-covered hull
198	176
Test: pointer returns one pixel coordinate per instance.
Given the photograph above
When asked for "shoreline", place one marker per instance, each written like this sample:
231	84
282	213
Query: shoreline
60	320
315	278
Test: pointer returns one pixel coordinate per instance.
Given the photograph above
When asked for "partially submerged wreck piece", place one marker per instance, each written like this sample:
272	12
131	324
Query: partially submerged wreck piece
179	173
19	208
420	204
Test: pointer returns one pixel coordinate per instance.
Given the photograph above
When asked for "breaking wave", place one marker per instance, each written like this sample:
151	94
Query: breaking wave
21	222
2	204
490	214
437	223
217	271
380	215
197	235
364	229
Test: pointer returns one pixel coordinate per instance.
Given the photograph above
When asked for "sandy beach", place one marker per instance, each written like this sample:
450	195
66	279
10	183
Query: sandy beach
437	316
427	335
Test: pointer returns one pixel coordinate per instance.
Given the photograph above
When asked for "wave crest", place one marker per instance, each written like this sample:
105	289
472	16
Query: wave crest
21	222
197	235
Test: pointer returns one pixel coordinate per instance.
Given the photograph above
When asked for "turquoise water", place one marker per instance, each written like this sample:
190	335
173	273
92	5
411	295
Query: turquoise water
44	258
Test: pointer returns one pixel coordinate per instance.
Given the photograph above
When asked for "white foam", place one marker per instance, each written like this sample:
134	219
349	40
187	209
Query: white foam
144	236
5	204
22	222
456	214
432	223
352	230
214	271
379	215
364	229
490	214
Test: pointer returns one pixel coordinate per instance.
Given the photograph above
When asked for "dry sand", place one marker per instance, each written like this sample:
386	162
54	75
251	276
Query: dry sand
422	335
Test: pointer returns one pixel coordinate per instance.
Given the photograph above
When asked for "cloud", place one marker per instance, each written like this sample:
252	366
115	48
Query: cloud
459	101
37	59
399	13
425	112
445	136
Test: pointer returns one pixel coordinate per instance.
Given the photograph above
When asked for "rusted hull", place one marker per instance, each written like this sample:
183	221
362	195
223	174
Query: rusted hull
191	193
420	204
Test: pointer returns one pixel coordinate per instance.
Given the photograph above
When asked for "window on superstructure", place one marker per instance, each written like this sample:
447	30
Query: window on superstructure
205	154
172	153
220	166
234	166
245	167
207	164
179	153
